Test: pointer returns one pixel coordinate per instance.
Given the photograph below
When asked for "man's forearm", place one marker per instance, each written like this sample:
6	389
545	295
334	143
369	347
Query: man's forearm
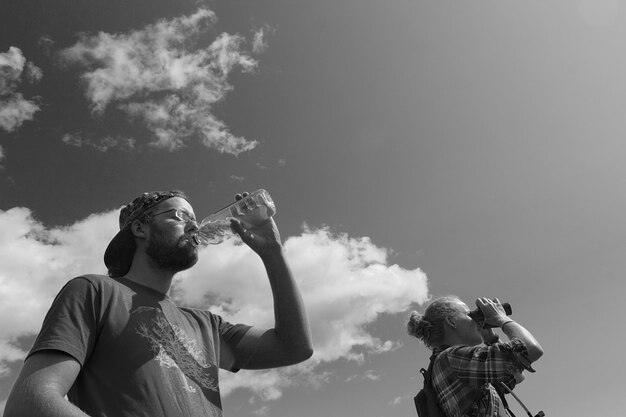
513	329
42	403
41	386
291	322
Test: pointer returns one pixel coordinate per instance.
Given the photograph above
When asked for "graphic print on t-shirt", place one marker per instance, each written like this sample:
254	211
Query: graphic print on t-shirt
173	348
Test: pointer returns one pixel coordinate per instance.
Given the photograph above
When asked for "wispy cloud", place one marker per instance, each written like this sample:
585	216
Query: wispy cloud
259	40
163	76
46	43
79	140
395	401
14	108
346	283
368	375
263	411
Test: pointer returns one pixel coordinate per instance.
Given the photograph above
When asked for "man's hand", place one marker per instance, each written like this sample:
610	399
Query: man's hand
492	310
488	335
496	316
260	238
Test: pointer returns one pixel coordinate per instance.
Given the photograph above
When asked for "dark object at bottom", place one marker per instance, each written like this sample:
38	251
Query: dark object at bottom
510	391
426	402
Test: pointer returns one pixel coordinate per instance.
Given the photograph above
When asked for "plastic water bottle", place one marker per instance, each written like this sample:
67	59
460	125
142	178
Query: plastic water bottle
252	210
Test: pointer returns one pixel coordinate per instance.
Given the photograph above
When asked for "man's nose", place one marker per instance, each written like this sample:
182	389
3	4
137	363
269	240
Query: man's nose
192	226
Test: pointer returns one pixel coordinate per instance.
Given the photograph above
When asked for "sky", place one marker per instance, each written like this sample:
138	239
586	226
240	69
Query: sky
413	149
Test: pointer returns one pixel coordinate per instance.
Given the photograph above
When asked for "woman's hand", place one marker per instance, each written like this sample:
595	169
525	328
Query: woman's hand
493	311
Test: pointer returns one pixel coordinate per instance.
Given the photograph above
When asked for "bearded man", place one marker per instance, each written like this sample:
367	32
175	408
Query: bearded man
117	345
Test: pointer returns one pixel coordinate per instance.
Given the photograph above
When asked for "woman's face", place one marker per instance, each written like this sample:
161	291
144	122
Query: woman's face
466	328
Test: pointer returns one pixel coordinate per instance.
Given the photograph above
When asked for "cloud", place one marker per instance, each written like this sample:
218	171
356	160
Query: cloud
103	145
263	411
259	40
368	375
11	353
35	262
161	76
395	401
14	108
346	283
46	43
11	67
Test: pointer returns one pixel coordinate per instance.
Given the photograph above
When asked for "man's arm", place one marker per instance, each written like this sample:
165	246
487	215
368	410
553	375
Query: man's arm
489	338
289	342
495	315
41	386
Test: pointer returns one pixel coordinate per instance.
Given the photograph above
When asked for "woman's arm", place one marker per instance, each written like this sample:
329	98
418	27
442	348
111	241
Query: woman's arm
495	315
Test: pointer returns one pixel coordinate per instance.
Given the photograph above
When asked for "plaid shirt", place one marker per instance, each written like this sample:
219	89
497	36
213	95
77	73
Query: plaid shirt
462	377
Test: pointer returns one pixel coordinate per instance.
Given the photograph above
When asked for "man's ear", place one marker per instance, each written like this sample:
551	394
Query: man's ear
139	229
450	322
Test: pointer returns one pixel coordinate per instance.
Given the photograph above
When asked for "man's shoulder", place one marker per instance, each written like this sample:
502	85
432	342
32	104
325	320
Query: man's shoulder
199	312
96	280
460	352
100	283
93	278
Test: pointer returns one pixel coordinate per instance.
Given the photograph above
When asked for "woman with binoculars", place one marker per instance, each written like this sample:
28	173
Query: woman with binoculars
469	362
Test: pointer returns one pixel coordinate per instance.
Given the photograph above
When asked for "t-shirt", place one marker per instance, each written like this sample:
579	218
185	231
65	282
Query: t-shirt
141	355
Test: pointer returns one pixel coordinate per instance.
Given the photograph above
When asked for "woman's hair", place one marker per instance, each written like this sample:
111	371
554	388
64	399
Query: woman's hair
428	327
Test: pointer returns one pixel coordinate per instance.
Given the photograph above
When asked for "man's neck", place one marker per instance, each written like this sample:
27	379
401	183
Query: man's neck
161	285
146	274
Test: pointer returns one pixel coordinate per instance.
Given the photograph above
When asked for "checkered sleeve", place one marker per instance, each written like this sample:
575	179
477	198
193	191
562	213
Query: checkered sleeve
476	366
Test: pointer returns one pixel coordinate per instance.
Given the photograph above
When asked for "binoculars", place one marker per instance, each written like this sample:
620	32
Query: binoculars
478	316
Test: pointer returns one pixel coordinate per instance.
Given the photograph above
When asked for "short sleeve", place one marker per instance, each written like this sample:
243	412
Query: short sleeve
518	352
71	324
237	344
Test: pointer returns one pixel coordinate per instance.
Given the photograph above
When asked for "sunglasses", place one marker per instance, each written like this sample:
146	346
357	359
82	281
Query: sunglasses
179	214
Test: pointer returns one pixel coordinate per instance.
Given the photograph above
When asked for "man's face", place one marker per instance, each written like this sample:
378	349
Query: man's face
466	328
170	245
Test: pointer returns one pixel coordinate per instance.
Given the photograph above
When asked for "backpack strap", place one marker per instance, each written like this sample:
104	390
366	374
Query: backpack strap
426	401
504	403
429	372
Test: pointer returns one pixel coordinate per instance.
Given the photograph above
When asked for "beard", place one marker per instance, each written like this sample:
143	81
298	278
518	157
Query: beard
171	255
